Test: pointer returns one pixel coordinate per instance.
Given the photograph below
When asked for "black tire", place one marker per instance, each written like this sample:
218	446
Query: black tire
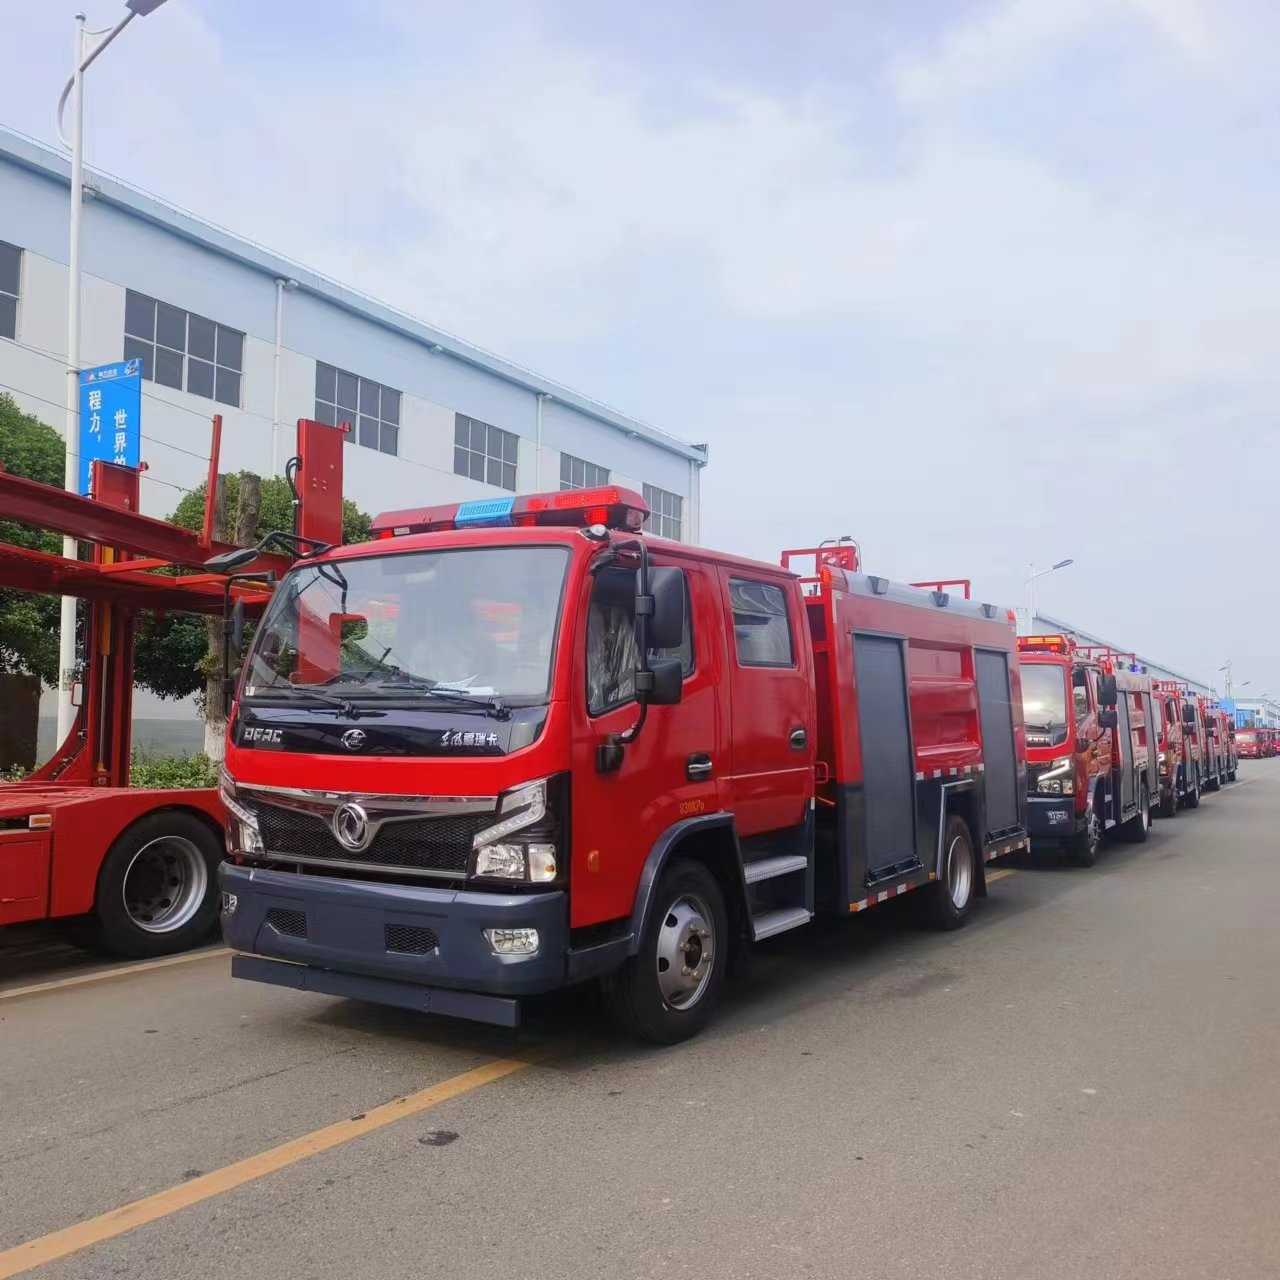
640	1000
1192	799
158	887
950	896
1138	828
1085	845
1213	783
1169	802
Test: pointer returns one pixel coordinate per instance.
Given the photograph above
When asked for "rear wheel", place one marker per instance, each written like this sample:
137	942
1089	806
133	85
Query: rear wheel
158	887
951	894
1138	827
668	991
1085	844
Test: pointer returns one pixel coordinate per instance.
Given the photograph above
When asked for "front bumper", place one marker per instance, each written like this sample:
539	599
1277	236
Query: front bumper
1053	817
354	928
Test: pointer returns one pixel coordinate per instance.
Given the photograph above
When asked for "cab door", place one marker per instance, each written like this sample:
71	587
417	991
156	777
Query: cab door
768	762
672	771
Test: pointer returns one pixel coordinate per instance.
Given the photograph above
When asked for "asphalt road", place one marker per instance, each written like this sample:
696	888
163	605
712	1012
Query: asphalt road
1081	1083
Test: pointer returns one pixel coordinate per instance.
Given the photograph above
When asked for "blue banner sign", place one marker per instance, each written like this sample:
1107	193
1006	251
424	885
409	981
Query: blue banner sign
110	416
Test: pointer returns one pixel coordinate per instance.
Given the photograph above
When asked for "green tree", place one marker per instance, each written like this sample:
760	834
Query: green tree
29	623
172	649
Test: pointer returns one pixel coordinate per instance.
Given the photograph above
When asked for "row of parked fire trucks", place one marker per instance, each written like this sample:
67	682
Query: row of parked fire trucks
519	744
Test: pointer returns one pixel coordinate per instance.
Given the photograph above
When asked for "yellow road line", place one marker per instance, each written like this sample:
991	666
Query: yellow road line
59	1244
121	971
1000	872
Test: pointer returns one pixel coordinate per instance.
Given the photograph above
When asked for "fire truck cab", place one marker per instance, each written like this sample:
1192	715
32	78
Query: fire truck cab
1091	753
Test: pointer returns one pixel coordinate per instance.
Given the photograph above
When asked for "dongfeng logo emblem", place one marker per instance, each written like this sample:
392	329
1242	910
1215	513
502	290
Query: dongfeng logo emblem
354	739
351	826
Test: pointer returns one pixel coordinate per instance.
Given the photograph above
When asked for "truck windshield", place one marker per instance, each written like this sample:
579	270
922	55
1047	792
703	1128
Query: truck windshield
470	623
1044	695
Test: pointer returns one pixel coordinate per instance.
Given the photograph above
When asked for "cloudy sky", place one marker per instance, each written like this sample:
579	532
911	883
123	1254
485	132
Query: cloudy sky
984	283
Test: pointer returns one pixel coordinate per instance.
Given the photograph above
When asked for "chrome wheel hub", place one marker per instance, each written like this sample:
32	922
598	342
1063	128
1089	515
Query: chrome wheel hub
686	952
165	884
959	874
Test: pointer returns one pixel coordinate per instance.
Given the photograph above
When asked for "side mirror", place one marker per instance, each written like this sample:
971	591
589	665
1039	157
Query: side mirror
666	620
1108	718
1108	694
666	683
237	626
230	561
1189	716
1211	729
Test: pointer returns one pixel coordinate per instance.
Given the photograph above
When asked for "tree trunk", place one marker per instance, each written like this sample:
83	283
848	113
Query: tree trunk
215	723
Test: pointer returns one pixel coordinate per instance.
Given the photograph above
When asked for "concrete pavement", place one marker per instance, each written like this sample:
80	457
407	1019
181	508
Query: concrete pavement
1081	1083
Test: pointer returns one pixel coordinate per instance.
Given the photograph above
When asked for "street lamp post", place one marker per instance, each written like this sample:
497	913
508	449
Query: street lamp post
1039	573
74	90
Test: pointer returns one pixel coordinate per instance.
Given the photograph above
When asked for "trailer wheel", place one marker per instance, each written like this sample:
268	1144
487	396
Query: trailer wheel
158	887
1085	845
668	990
951	894
1138	827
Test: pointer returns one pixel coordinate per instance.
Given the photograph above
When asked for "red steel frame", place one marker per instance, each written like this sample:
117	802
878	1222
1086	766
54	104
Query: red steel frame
57	825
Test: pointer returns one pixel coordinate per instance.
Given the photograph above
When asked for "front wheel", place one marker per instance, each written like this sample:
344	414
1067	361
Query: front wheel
1192	798
1084	845
1169	802
668	991
158	887
951	895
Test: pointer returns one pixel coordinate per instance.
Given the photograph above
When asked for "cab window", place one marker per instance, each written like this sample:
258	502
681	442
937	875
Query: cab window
611	640
1080	682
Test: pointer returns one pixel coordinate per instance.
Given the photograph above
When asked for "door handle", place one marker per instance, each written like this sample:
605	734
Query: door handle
698	767
799	739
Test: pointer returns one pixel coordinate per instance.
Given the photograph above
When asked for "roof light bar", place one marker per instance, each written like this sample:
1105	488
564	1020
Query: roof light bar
609	505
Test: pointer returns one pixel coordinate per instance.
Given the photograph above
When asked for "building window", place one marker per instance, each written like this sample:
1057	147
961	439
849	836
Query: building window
484	452
10	272
183	351
576	474
667	512
372	409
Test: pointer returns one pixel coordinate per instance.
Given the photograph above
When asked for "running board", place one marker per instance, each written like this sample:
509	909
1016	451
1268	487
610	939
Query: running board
768	868
779	921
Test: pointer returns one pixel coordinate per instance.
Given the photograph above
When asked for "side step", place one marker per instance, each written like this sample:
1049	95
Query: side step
768	868
779	921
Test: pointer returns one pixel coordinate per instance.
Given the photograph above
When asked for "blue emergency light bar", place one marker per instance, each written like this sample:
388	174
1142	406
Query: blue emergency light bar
484	511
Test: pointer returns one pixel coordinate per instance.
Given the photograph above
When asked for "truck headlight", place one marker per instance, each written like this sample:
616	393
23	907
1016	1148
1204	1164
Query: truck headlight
531	856
1059	778
244	821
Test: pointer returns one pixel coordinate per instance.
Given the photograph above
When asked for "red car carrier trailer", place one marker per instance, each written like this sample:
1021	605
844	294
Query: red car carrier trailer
516	744
135	868
1092	758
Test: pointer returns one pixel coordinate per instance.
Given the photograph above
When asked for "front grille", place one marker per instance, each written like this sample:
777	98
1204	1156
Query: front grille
410	940
292	923
439	845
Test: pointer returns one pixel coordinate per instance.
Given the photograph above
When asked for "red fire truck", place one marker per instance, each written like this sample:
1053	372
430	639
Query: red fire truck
135	868
1091	754
1254	743
1180	769
516	744
1219	762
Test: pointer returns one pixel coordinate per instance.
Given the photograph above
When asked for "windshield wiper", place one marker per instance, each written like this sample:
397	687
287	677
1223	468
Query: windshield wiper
293	693
493	706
